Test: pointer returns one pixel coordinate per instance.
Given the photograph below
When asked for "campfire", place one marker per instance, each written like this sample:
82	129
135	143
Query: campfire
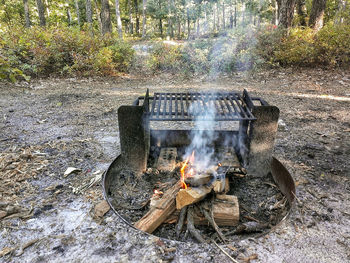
186	182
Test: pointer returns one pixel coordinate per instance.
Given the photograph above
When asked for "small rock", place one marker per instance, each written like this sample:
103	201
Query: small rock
101	208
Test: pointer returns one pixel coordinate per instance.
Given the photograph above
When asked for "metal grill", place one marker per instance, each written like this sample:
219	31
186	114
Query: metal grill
195	106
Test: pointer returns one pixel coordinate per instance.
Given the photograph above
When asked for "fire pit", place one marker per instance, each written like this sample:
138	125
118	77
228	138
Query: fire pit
211	175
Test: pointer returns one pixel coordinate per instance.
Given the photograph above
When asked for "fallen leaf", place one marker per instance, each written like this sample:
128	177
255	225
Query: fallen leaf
101	208
71	170
251	257
5	251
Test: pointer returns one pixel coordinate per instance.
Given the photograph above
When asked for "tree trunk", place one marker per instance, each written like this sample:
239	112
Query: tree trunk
26	13
171	9
188	24
178	28
231	17
105	17
214	20
223	15
137	17
243	14
88	9
274	20
131	26
69	16
144	6
286	12
235	17
339	16
301	12
161	27
77	11
41	12
119	21
198	28
217	15
98	15
316	14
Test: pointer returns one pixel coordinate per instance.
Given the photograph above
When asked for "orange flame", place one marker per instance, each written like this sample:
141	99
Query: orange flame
183	168
182	171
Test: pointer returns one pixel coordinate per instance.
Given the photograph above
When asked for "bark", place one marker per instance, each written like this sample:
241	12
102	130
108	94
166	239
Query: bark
218	16
88	8
119	21
137	26
161	27
171	8
231	18
274	20
286	12
131	26
98	15
188	24
144	5
26	13
106	17
243	13
301	12
214	20
69	16
223	15
41	12
235	17
317	14
77	11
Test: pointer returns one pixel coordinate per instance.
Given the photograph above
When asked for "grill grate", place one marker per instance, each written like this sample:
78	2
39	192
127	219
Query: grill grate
194	106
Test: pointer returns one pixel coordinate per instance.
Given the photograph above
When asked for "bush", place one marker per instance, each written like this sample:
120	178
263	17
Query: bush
333	45
43	52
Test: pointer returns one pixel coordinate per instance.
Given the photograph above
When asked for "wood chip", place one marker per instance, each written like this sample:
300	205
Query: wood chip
101	209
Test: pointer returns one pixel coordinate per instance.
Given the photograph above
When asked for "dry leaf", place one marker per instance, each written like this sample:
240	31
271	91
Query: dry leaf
71	170
6	250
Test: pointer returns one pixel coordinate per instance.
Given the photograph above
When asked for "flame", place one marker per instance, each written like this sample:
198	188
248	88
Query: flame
189	160
157	193
182	171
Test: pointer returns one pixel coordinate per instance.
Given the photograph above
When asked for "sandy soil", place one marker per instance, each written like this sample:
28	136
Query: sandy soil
50	125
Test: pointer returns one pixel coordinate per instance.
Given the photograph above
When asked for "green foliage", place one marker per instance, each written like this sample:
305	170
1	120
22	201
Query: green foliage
333	45
61	50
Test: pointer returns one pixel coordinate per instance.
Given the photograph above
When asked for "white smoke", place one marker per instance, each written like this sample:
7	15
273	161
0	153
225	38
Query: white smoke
203	135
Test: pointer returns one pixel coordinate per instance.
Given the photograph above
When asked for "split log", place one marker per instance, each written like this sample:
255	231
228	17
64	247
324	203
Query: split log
157	214
225	212
191	195
199	179
222	186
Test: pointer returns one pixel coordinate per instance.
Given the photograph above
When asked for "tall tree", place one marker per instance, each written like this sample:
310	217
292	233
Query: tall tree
88	8
76	3
41	12
119	21
26	13
223	15
69	15
144	6
131	25
106	17
301	12
286	12
317	13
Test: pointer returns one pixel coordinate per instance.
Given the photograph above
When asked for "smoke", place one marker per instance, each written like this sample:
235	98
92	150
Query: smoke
203	135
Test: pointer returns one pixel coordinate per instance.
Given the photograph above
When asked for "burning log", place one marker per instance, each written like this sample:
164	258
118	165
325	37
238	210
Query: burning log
198	180
161	211
191	195
221	186
225	212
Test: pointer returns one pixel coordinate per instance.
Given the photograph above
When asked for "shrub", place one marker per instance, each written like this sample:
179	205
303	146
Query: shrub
42	52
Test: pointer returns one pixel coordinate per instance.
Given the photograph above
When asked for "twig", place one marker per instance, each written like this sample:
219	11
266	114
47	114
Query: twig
180	223
190	226
210	218
223	251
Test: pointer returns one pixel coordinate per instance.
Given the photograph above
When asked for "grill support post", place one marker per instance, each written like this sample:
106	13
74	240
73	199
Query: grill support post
134	133
262	137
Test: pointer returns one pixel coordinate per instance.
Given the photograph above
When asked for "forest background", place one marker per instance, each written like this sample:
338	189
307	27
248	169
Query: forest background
41	38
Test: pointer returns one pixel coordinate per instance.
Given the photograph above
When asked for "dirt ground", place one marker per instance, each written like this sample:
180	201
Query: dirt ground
50	125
